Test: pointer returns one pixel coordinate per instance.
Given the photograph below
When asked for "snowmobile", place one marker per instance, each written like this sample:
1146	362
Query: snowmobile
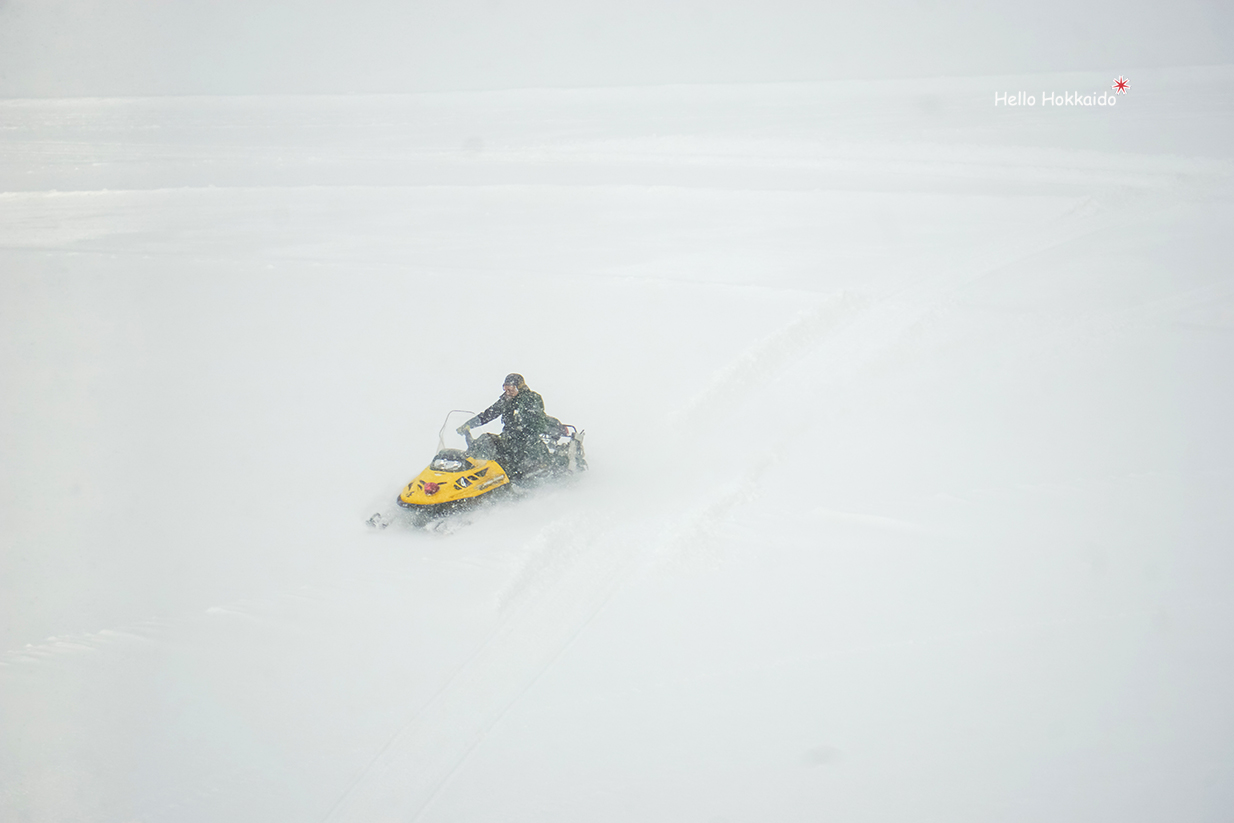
457	480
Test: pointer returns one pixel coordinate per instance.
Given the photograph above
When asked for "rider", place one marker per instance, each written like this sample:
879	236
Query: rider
522	422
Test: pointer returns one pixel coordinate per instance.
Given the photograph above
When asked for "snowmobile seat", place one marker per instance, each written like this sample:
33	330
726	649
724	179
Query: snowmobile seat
484	447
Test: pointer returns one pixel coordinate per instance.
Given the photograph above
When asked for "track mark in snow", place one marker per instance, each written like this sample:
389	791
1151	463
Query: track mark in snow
874	520
89	642
773	353
575	572
691	539
554	548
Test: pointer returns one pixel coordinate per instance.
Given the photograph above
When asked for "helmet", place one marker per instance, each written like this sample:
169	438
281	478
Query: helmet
516	380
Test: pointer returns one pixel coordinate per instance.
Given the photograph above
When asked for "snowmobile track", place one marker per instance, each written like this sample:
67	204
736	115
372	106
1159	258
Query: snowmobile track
420	757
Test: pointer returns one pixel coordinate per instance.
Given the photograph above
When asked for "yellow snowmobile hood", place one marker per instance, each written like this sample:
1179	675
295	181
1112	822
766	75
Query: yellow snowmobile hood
435	486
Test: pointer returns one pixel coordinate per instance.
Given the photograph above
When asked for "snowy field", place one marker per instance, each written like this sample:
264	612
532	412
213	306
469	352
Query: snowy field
909	419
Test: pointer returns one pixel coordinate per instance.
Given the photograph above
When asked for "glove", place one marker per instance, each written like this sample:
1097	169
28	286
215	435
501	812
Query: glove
463	429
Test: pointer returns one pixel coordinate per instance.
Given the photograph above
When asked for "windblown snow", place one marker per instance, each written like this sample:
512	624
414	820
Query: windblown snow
908	418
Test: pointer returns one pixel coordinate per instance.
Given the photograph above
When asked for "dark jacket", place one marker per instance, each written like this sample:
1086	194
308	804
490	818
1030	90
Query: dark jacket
521	417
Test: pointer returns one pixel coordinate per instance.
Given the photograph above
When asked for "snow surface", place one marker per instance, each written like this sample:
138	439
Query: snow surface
908	418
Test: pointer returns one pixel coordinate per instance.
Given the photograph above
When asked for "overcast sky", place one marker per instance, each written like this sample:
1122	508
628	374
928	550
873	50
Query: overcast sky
127	47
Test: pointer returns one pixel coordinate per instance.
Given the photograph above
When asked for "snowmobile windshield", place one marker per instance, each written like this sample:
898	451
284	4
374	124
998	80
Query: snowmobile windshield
450	461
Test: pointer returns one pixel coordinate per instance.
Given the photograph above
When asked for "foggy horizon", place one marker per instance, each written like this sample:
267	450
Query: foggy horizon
136	48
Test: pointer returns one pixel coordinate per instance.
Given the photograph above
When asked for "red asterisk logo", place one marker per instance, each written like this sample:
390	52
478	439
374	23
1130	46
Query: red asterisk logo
1121	85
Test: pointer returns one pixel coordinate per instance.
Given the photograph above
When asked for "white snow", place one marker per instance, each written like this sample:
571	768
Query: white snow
908	419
